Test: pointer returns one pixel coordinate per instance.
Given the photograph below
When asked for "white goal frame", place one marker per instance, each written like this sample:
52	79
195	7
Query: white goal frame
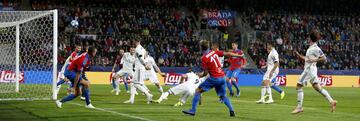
17	43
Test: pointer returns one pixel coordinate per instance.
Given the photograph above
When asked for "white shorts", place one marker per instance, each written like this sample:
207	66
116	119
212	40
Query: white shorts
308	76
151	75
266	75
122	72
180	89
139	76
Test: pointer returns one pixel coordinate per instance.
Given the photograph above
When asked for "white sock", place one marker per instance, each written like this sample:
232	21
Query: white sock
300	97
117	86
163	96
184	98
132	93
268	89
326	94
263	91
148	95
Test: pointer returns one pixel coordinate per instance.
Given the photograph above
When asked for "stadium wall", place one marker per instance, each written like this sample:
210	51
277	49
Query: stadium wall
96	77
246	79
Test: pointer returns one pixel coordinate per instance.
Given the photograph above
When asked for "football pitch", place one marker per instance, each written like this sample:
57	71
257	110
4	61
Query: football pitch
110	107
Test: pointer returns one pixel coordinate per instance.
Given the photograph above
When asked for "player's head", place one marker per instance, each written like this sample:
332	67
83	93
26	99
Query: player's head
215	46
313	36
234	45
204	44
92	51
121	51
78	48
269	46
132	50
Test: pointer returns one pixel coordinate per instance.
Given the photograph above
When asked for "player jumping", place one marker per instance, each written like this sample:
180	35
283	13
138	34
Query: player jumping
126	71
212	66
186	89
235	67
138	80
313	55
74	74
272	71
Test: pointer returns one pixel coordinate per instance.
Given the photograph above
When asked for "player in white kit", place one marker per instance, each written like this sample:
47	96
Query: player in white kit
151	74
313	55
186	89
272	71
127	61
139	74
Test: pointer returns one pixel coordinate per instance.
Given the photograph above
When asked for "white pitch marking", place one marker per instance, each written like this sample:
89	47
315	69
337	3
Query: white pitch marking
117	113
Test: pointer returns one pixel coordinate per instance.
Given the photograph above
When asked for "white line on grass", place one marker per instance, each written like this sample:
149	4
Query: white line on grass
117	113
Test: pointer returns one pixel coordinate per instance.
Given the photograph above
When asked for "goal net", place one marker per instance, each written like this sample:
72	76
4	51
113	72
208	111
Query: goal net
28	55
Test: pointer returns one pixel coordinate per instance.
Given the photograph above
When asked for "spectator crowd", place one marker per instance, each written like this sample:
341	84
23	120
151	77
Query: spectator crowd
340	38
169	31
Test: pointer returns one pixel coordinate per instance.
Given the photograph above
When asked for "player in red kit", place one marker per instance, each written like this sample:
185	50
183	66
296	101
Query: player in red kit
74	74
235	67
211	65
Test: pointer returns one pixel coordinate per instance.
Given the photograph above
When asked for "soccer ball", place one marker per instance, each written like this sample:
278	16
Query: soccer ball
74	23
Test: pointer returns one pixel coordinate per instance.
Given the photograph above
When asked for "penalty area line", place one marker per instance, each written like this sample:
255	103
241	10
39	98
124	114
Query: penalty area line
117	113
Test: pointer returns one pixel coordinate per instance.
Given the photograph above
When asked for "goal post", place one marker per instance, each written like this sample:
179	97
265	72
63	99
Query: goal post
28	55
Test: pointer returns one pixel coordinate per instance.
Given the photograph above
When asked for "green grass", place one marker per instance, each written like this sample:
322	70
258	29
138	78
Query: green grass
316	107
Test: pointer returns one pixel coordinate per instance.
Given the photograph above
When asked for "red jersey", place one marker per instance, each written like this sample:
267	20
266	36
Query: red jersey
236	62
80	63
211	62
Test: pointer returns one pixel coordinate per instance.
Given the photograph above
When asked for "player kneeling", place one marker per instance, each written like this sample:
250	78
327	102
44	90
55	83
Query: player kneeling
185	89
74	74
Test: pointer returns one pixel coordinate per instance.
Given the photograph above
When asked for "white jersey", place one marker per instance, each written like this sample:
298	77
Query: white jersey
270	63
193	80
271	59
189	86
127	61
150	61
140	57
310	69
313	52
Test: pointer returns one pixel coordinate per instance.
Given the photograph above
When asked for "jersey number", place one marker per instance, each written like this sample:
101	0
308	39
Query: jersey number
215	59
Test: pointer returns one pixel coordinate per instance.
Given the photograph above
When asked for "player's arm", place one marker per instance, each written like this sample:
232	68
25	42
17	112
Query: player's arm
67	60
77	81
321	59
203	73
299	55
233	54
113	68
276	65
